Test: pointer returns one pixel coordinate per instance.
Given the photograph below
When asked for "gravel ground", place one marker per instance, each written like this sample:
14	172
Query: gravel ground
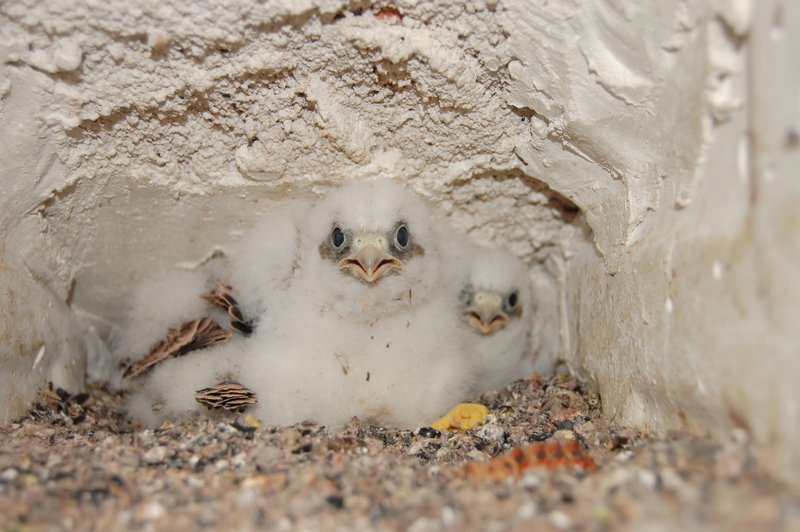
77	463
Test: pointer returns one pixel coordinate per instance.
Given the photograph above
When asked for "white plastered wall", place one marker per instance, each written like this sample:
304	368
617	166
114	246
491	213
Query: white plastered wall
640	157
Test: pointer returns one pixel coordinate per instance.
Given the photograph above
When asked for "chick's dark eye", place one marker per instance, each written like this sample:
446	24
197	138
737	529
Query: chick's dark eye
401	238
512	300
337	238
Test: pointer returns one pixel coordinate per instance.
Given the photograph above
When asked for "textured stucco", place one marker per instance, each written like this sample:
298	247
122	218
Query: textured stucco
638	156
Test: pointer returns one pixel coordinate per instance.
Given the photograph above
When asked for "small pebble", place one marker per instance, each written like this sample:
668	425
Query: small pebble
624	456
648	479
564	435
565	424
239	460
155	455
195	482
9	475
448	516
123	517
152	511
479	456
224	431
491	433
526	511
530	481
560	520
429	432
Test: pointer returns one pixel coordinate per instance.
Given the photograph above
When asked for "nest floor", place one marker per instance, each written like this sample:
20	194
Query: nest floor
544	459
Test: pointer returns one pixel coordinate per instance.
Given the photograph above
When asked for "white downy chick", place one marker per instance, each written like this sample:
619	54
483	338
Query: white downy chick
158	303
264	261
497	308
168	390
364	329
258	267
352	303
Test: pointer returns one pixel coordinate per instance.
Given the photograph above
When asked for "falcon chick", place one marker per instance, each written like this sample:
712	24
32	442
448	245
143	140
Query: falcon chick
264	262
179	317
351	302
497	308
159	304
364	328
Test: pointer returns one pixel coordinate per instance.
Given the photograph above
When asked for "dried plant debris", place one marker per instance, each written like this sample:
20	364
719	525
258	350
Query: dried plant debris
228	395
527	466
57	405
190	336
96	407
221	297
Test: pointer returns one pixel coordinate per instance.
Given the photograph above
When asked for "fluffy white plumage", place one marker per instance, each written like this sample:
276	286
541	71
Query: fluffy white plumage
265	260
497	309
356	311
383	350
260	268
158	303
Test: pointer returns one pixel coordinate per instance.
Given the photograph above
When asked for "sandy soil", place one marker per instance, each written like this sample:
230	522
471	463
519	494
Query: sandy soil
76	463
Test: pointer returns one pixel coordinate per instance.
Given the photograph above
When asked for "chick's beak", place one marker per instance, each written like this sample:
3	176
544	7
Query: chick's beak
486	314
370	263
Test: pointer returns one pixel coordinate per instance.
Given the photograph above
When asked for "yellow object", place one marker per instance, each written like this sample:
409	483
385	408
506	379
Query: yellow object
251	420
464	416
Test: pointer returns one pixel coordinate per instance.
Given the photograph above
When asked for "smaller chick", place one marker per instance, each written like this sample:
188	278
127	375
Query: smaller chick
497	308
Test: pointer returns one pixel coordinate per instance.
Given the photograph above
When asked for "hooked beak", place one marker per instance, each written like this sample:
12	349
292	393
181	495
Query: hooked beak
487	316
370	263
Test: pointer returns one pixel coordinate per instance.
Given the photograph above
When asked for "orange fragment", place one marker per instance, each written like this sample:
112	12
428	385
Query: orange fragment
519	459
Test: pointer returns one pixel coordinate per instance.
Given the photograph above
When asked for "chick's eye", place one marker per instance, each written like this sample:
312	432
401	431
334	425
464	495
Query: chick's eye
401	237
512	300
337	238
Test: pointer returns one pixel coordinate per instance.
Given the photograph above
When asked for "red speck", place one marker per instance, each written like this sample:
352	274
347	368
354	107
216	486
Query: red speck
389	14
